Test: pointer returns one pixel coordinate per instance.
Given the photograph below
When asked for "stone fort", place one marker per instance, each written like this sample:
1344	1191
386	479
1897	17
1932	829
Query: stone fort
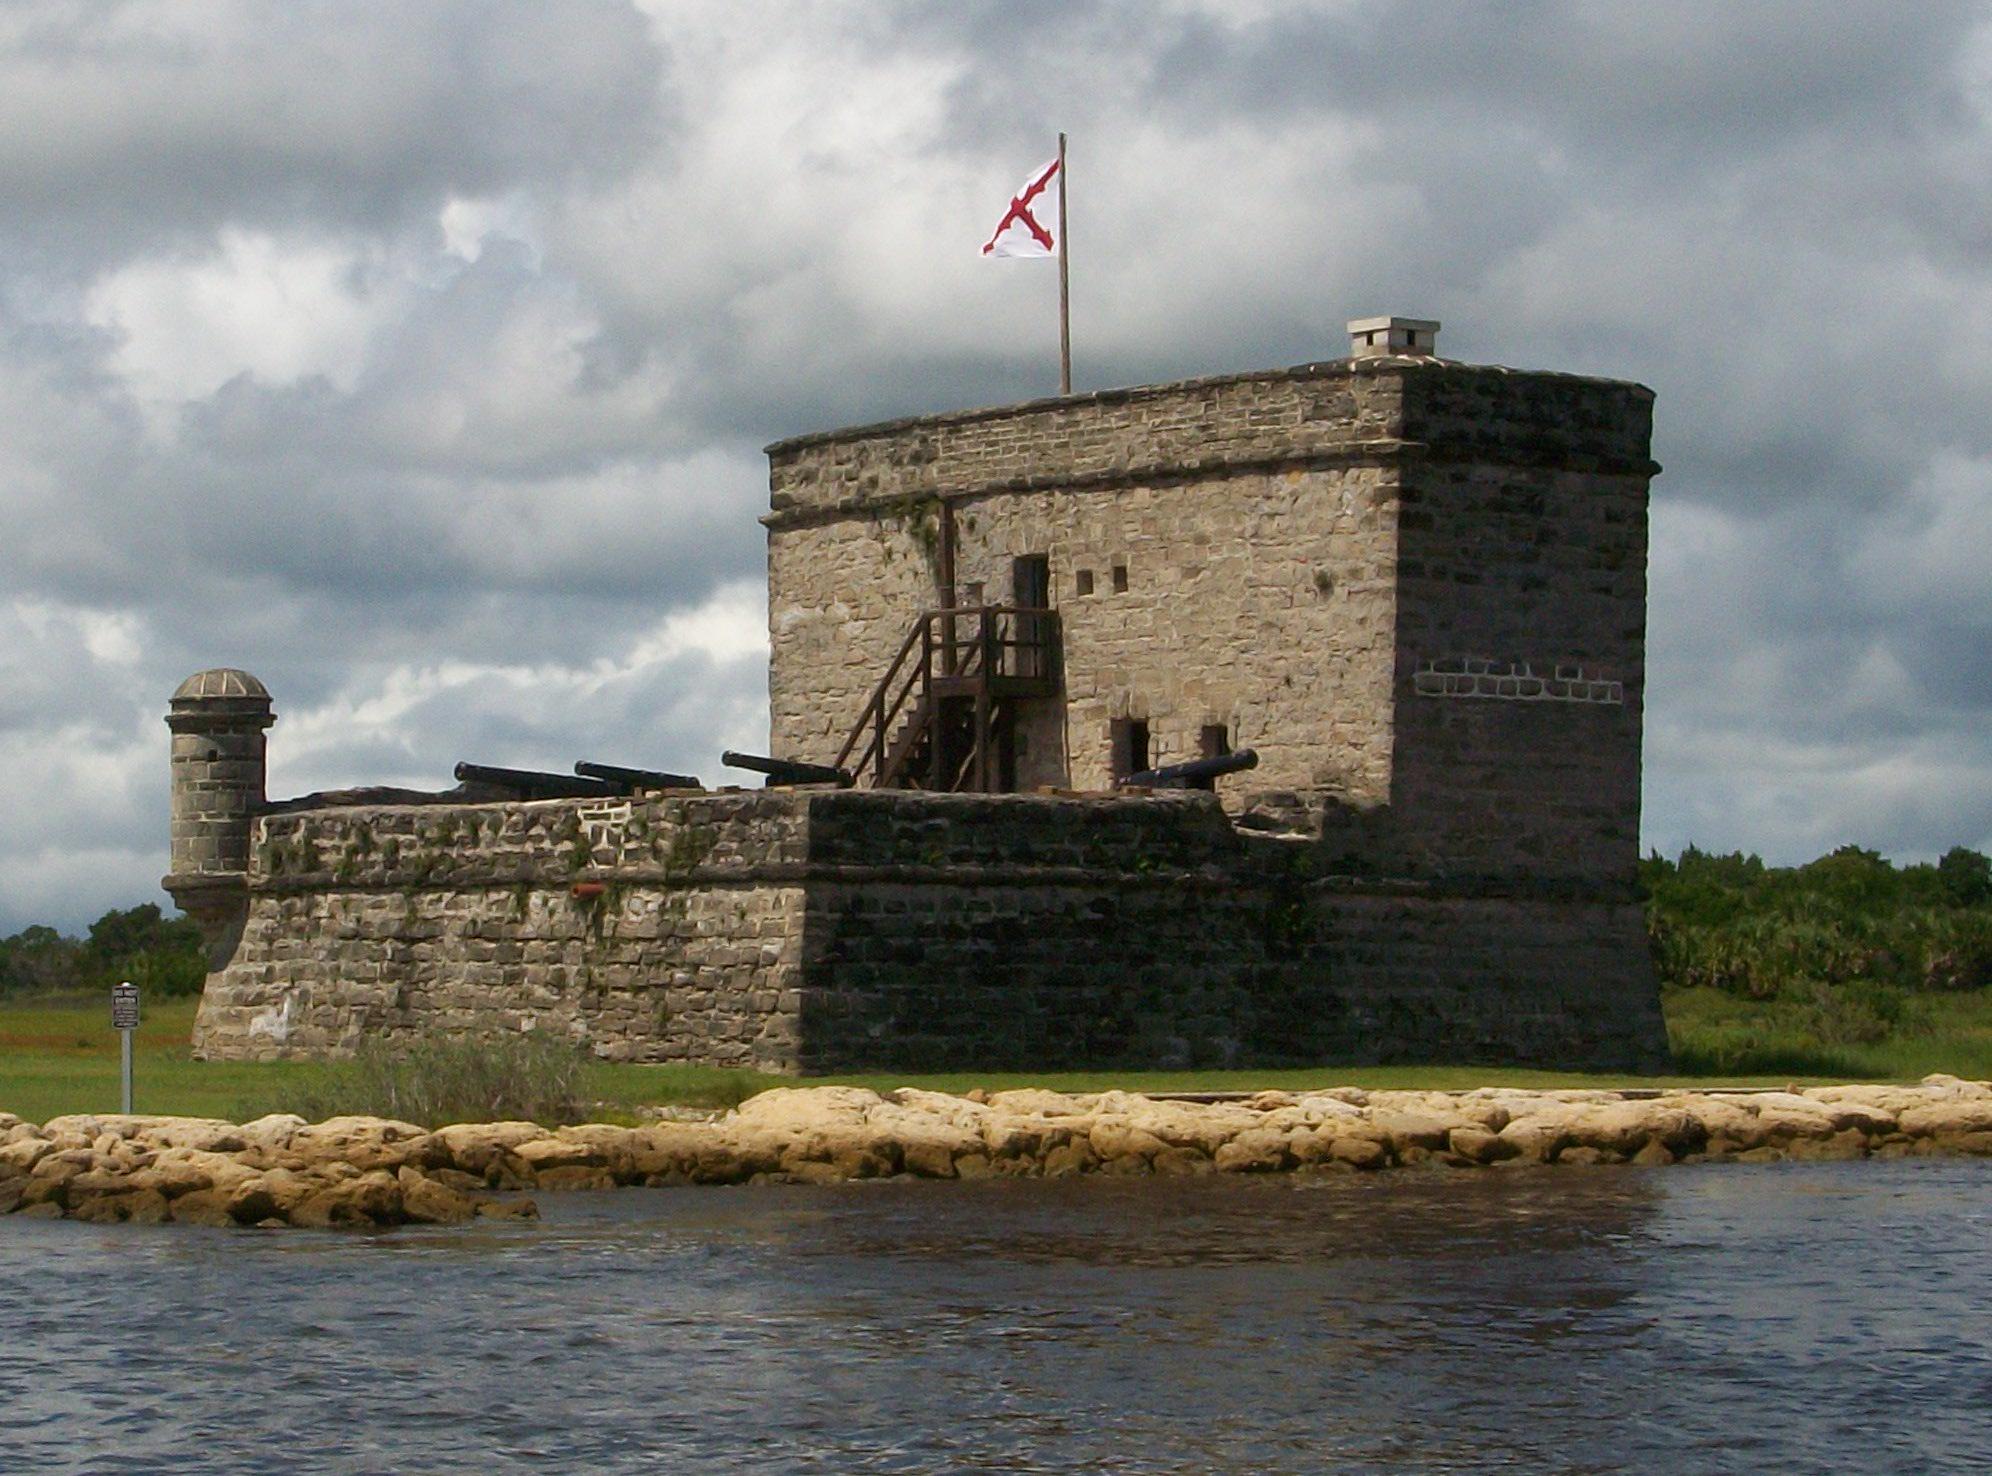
1413	589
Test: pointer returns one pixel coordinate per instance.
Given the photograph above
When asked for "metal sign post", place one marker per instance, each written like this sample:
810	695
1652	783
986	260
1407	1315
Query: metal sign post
124	1020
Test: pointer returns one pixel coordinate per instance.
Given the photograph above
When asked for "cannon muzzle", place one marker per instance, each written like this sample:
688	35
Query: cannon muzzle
637	778
535	784
786	771
1193	774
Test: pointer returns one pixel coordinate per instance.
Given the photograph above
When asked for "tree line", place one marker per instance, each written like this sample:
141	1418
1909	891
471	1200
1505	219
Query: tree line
1733	924
160	954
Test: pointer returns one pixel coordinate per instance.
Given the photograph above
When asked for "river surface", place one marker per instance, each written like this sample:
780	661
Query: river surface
1780	1317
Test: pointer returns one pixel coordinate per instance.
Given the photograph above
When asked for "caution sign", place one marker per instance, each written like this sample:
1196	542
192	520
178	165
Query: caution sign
124	1007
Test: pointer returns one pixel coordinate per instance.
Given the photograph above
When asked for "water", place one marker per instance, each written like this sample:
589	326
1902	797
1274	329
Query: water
1713	1318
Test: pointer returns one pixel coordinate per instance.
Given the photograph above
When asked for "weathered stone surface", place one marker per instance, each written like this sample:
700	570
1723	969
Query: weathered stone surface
817	933
364	1142
373	1198
425	1201
479	1147
332	1174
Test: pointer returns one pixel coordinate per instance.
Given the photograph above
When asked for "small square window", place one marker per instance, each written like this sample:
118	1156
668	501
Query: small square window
1120	578
1085	581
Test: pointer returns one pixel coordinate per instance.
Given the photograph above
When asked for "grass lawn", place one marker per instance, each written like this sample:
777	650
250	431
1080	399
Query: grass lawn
61	1056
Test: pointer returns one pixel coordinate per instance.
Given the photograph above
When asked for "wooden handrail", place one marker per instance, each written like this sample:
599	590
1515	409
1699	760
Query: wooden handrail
936	633
878	692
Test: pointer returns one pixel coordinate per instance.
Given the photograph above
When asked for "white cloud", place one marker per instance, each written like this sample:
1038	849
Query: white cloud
254	304
671	696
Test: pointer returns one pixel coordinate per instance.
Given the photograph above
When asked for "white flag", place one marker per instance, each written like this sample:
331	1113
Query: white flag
1030	227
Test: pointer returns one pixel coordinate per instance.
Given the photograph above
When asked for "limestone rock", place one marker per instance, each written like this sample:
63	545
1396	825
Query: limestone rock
1950	1117
21	1155
424	1201
1478	1145
142	1206
507	1209
374	1198
1361	1152
479	1147
1255	1151
364	1142
201	1207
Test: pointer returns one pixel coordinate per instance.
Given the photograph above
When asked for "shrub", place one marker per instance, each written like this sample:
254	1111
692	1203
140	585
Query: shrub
1731	923
1966	877
444	1079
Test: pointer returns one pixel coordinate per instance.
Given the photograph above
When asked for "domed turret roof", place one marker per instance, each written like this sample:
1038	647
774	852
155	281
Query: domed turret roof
220	682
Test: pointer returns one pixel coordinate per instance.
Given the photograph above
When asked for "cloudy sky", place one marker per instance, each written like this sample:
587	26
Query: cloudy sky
418	357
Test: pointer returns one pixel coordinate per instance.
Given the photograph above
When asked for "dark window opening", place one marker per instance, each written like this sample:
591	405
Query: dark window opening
1213	741
1030	589
1085	582
1030	581
1120	578
1128	740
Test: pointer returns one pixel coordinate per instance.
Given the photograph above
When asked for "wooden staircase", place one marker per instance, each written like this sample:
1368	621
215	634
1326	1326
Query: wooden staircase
943	715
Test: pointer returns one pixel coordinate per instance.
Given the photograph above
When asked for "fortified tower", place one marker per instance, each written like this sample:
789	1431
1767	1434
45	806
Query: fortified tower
1416	587
218	719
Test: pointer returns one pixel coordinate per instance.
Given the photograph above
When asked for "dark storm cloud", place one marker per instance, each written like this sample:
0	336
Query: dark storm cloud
418	358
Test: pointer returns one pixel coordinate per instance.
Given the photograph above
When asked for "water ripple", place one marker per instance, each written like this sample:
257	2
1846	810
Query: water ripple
1820	1317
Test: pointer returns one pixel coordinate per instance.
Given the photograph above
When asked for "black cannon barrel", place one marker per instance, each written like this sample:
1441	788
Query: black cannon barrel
785	771
1178	776
536	784
637	778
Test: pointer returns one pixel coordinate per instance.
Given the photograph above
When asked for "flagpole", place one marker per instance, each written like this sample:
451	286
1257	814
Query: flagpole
1064	284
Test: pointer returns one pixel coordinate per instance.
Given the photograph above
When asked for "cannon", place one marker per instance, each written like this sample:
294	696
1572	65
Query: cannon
534	784
637	778
1197	773
786	771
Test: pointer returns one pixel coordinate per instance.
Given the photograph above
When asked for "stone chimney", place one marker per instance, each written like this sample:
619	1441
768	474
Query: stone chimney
1371	338
218	720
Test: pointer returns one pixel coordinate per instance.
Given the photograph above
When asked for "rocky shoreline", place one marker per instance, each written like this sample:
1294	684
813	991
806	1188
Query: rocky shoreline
365	1171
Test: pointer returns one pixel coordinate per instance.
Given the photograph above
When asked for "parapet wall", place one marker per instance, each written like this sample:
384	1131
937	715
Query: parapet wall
666	930
857	930
1110	438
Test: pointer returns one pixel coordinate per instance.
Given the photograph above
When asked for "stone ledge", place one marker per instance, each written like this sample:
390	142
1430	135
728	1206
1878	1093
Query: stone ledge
788	513
1130	394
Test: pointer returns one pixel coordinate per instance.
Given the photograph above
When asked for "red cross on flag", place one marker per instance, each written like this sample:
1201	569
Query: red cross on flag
1031	225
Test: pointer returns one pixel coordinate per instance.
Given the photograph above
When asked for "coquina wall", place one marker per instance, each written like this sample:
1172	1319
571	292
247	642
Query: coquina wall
804	930
657	931
1298	556
1234	538
1520	630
